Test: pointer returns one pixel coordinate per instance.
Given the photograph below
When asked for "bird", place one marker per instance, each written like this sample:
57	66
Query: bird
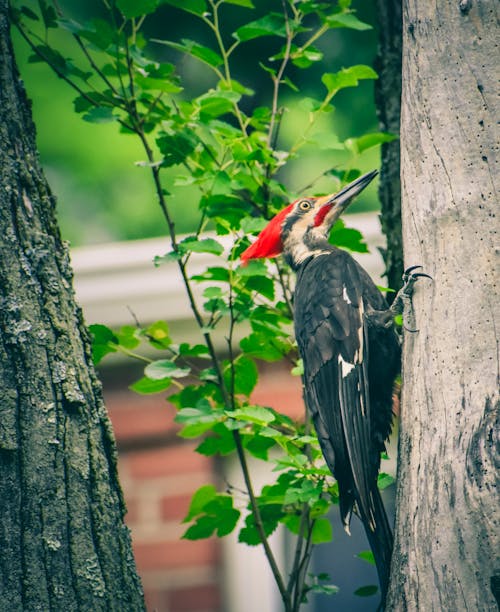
351	353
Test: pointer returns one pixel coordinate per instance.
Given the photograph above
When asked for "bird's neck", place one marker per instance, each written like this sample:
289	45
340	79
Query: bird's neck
298	252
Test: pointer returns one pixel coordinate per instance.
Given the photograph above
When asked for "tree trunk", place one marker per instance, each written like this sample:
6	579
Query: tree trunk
63	542
388	99
447	538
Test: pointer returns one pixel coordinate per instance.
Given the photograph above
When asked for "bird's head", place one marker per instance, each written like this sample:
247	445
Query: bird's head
301	228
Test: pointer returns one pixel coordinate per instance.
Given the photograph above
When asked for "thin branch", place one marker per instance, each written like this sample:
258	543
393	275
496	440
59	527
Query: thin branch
271	141
62	76
259	524
285	288
292	578
214	26
95	67
230	343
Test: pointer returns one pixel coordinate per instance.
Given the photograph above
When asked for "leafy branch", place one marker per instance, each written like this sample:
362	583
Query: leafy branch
235	160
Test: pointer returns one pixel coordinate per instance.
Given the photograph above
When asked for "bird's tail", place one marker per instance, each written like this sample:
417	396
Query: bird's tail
381	541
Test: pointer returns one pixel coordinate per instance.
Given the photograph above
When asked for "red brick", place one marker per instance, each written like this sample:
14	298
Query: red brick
281	391
132	509
175	554
194	599
175	507
135	416
178	459
156	601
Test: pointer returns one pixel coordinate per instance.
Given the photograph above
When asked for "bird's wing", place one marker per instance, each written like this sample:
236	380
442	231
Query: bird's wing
332	340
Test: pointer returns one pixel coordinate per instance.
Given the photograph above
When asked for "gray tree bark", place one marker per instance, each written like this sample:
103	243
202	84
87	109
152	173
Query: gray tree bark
388	100
448	510
63	542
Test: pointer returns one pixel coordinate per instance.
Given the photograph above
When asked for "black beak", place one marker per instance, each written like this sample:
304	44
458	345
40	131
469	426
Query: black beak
334	205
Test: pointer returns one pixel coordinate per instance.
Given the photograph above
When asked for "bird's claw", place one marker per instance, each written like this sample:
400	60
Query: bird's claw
408	274
402	304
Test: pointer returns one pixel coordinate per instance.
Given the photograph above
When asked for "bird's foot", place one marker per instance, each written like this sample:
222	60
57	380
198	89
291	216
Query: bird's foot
402	303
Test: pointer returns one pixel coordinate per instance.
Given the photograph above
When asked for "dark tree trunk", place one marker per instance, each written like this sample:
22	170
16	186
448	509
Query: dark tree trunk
388	100
63	542
447	544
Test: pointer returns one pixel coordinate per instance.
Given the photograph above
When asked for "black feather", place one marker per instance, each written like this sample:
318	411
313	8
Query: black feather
351	356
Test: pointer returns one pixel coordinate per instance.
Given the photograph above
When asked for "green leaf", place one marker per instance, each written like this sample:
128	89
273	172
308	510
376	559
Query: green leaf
270	515
220	443
319	507
322	531
194	49
195	350
367	141
272	24
127	337
167	258
347	20
195	430
205	245
148	386
214	106
165	368
176	147
325	589
385	480
252	268
303	58
245	375
191	395
262	285
49	14
103	340
244	3
203	528
253	225
261	346
198	7
366	591
163	84
215	273
136	8
298	370
29	13
254	414
217	514
61	64
348	238
200	498
347	77
158	335
398	320
258	446
100	114
367	555
102	35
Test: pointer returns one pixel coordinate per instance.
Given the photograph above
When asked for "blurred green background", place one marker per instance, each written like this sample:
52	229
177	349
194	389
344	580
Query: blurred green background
104	196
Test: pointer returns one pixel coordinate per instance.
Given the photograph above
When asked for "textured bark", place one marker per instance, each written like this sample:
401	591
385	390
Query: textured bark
448	511
63	542
388	100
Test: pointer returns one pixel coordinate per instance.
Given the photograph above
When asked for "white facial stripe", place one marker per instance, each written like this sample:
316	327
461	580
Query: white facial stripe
295	239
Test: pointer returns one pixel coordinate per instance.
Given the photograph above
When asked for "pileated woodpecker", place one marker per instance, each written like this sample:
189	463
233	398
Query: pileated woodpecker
350	351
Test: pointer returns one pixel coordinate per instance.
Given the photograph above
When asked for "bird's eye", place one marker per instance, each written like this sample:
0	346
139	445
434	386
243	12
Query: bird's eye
305	205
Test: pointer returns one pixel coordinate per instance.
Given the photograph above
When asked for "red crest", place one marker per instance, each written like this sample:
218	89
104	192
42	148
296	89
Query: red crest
268	243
